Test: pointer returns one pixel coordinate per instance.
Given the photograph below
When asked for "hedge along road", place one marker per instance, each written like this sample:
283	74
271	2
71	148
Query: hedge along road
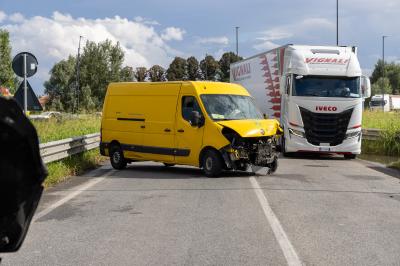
312	211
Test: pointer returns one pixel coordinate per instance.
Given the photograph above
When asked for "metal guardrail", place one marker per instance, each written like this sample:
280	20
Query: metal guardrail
371	133
60	149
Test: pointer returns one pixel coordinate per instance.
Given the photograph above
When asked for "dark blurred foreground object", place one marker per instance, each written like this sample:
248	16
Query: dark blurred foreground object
21	175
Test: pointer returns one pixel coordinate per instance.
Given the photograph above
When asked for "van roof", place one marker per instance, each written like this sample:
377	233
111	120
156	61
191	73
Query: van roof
202	87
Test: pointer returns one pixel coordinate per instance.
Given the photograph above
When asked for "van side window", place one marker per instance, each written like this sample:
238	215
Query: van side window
189	104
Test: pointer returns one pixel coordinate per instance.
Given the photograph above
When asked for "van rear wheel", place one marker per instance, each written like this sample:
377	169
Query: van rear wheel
117	158
212	163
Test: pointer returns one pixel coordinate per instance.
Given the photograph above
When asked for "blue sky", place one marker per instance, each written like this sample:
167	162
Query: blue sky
153	32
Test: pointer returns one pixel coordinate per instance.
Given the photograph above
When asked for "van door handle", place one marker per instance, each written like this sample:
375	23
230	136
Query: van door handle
142	126
181	130
167	130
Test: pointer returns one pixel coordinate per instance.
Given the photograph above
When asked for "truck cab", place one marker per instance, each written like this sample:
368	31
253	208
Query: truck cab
322	91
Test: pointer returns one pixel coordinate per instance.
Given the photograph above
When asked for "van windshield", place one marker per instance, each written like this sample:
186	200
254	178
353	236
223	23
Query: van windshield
322	86
230	107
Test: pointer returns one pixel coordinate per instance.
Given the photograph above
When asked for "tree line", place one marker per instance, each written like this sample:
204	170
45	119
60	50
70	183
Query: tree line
102	63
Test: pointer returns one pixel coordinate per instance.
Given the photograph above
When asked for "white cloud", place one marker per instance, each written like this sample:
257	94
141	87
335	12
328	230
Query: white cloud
146	21
3	16
172	33
308	27
55	38
16	17
222	40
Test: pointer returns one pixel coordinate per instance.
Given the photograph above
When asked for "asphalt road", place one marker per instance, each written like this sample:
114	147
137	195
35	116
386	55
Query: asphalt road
311	211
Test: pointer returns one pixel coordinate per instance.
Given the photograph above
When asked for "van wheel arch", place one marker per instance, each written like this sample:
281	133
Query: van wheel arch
203	151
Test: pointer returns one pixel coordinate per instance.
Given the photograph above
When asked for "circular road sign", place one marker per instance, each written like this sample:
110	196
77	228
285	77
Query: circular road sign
31	64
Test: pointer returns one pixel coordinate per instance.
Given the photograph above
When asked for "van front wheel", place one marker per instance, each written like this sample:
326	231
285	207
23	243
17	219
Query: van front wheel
212	163
117	158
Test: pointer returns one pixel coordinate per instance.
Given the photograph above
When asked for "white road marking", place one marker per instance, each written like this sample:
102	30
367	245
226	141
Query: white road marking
287	248
72	195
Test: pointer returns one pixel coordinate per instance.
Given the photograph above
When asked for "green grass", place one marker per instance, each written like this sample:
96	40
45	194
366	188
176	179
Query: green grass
74	165
389	123
57	129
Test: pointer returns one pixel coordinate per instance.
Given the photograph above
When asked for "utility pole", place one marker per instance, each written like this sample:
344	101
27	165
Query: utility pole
383	71
237	41
205	62
337	22
77	74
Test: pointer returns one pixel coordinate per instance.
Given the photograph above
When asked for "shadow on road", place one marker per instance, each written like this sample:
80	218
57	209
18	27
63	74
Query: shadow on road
175	172
314	156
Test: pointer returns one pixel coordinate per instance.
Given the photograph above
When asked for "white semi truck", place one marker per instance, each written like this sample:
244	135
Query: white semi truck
317	92
385	102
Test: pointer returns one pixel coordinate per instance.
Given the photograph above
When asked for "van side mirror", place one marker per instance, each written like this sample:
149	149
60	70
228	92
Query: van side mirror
196	119
265	116
365	87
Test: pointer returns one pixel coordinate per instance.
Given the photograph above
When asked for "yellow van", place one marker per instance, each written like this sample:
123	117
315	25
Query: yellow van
212	125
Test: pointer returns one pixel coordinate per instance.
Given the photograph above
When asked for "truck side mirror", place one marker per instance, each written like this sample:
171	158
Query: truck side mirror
365	87
265	116
196	119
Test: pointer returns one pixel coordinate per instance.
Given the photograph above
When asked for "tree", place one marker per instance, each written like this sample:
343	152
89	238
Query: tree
141	74
376	88
156	73
209	68
6	73
86	102
177	69
193	68
392	72
101	63
61	85
127	74
224	63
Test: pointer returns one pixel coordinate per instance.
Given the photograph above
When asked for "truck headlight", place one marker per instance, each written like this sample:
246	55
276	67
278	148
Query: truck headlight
354	134
297	133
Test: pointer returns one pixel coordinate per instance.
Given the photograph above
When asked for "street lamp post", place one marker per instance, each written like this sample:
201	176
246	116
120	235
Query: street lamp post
77	74
383	71
237	41
337	22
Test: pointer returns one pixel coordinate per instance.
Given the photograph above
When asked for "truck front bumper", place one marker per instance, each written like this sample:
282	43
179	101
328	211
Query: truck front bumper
348	146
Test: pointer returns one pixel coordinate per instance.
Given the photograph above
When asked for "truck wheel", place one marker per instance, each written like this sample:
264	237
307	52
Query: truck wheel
350	156
168	164
285	154
212	163
117	158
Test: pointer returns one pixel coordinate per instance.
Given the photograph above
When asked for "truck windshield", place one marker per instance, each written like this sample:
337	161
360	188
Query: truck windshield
322	86
230	107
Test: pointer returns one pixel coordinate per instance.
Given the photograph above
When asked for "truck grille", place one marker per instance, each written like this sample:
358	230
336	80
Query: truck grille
325	128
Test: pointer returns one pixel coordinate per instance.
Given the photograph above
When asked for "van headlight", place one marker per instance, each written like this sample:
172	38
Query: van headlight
354	134
297	133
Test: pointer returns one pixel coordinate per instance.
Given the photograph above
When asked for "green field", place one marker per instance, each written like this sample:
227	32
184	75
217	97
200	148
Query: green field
66	127
389	144
387	121
74	165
